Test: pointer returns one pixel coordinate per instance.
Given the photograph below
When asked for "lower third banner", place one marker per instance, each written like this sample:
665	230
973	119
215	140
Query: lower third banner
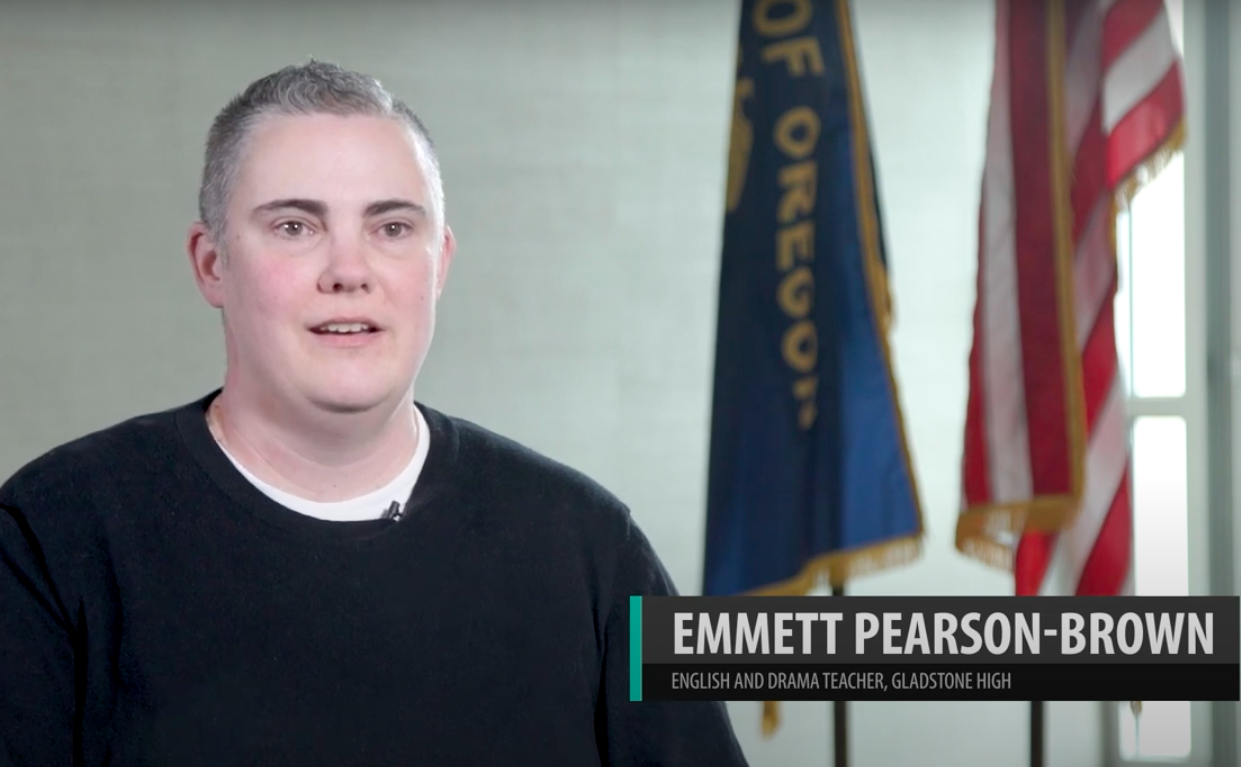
936	648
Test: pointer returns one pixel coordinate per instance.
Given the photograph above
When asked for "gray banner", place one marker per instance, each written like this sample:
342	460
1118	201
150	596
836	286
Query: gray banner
967	630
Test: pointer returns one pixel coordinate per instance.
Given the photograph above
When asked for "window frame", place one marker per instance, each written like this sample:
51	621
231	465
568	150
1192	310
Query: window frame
1192	404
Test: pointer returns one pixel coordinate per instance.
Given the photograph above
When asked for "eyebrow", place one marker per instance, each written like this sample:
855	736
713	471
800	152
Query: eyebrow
313	207
387	206
319	208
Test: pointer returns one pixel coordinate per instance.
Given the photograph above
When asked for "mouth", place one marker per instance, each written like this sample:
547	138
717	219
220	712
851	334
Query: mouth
345	327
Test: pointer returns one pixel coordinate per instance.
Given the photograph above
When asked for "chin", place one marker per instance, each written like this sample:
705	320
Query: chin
352	398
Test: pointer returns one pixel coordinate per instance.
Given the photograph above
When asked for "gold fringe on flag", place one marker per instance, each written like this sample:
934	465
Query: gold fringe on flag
1152	166
835	570
771	718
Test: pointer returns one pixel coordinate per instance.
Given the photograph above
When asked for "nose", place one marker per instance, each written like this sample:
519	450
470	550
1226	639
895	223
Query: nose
348	267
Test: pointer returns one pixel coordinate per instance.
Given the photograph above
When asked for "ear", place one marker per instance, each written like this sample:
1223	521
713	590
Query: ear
207	262
447	249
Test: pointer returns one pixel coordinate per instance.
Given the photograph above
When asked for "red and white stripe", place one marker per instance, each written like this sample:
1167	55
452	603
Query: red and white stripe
1121	103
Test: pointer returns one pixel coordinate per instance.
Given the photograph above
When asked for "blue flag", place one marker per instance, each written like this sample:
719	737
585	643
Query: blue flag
810	476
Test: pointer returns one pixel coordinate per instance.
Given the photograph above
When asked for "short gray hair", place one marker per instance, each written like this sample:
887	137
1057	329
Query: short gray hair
308	89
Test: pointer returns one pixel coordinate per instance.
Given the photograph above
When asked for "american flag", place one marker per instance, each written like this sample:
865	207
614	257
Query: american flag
1086	105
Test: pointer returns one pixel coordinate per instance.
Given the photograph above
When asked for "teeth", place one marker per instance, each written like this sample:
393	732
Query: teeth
350	327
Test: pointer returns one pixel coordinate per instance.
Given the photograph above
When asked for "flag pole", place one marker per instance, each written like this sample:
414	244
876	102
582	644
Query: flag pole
840	719
1036	733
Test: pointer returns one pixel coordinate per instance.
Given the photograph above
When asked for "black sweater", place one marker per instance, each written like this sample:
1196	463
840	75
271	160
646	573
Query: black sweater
158	609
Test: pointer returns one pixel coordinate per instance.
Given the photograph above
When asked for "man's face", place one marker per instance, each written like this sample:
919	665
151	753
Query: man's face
332	266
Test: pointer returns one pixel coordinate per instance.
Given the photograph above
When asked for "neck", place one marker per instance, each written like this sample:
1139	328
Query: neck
322	456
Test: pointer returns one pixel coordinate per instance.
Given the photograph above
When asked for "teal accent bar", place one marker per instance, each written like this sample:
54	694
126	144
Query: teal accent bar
635	648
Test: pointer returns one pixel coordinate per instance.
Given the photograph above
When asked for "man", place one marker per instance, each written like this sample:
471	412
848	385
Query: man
304	567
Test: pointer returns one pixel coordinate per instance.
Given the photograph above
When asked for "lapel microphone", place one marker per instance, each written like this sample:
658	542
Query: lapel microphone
393	512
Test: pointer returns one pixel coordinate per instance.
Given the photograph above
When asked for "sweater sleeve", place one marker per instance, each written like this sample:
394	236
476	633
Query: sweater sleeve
667	733
37	692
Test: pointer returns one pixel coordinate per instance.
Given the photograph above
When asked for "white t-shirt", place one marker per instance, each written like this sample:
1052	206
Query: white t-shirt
373	505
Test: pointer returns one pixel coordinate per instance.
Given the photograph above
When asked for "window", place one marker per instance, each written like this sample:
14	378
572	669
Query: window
1152	335
1151	341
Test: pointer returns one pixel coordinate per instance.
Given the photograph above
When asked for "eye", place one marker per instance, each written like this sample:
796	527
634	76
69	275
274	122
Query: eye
292	228
395	229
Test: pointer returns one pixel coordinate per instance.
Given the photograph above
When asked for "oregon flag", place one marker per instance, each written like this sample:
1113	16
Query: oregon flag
810	478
